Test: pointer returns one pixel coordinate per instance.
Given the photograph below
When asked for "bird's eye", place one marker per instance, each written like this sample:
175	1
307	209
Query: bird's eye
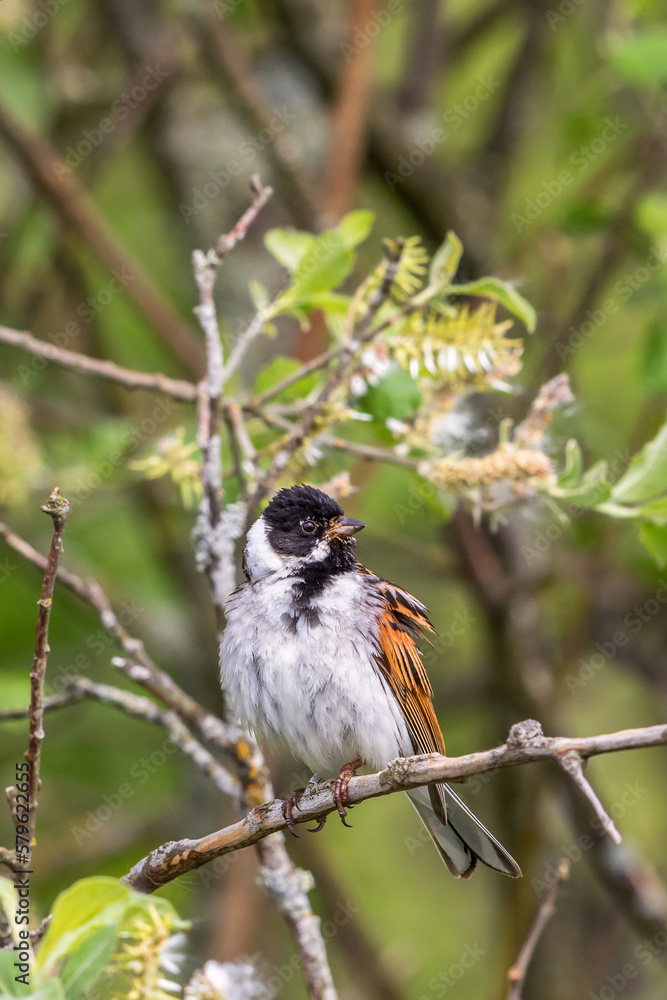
308	526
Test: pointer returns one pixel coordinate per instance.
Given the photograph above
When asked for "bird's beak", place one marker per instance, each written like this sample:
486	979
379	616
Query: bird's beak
347	526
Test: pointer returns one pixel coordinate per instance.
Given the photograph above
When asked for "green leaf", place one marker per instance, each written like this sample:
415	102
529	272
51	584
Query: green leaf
654	357
85	964
656	511
318	264
396	395
259	294
573	465
291	247
354	228
642	58
651	214
8	984
332	303
8	904
326	264
646	476
51	989
654	539
288	246
588	490
502	292
280	368
445	261
78	912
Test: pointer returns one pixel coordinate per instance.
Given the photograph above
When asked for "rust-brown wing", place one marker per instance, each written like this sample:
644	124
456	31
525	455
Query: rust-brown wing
464	840
401	664
402	618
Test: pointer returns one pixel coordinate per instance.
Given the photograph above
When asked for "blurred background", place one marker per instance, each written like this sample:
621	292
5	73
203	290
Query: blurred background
536	130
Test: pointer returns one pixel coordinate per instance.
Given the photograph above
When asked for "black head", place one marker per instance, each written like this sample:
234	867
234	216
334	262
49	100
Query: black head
303	521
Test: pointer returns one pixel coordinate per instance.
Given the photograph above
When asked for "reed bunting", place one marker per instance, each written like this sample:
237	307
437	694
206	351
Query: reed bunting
319	655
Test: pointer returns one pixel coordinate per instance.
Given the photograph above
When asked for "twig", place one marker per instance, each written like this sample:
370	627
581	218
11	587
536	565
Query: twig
632	882
242	448
57	508
285	884
369	451
139	667
288	886
526	744
238	232
216	533
142	708
210	546
362	333
148	382
306	369
77	688
51	703
218	372
572	764
517	974
242	343
341	444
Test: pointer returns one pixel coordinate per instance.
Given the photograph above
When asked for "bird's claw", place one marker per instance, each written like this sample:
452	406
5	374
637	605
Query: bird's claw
321	820
347	772
290	803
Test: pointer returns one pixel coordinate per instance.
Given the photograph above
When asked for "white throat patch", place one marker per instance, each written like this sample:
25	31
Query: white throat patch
262	559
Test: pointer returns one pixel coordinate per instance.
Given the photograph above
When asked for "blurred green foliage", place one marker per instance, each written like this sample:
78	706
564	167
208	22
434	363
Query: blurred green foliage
551	172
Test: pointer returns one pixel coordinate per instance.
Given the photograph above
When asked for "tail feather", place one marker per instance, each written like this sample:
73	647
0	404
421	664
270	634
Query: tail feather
462	840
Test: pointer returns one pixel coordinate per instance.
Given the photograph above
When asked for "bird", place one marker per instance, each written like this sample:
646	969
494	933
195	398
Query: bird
320	656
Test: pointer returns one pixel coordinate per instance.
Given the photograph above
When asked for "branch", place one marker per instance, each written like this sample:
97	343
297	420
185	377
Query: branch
77	209
138	707
57	508
525	744
285	884
340	444
362	333
216	533
139	667
239	232
631	881
142	708
215	540
51	703
284	383
517	974
177	388
370	451
572	764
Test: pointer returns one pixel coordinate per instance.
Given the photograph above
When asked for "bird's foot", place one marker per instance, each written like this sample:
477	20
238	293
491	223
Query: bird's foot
290	803
347	772
321	820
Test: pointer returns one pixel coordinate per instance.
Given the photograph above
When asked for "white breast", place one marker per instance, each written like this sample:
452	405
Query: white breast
312	685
